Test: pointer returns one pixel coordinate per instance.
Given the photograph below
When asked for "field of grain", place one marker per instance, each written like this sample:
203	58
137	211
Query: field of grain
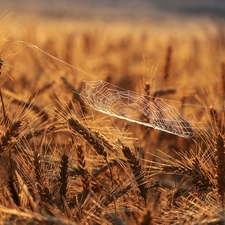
63	162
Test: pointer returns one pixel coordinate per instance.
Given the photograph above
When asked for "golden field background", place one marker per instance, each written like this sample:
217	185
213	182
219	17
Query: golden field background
64	163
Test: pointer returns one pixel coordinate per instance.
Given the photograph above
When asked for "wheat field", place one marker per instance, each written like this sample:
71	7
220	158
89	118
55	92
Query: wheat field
62	162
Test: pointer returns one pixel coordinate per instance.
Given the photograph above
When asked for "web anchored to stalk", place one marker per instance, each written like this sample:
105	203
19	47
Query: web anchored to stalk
135	107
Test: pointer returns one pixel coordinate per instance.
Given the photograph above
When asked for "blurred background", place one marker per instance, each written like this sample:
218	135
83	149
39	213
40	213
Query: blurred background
117	9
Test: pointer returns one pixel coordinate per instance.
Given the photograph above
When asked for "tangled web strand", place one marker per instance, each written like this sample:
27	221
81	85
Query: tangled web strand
135	107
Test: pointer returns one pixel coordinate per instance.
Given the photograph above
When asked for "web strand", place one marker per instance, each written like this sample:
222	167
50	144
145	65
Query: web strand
135	107
70	68
124	104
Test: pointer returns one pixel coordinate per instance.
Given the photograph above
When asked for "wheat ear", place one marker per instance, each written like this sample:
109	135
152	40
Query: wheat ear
63	180
168	62
11	133
220	167
147	218
135	166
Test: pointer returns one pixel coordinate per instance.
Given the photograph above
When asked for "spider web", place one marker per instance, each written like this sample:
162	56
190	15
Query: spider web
135	107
